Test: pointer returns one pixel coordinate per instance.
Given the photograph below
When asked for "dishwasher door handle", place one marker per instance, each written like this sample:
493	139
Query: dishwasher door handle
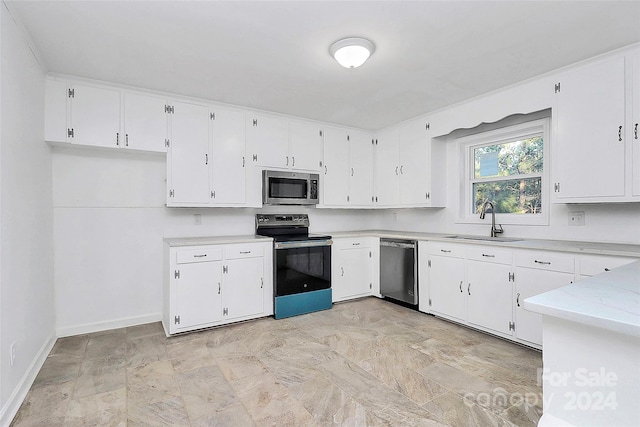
403	245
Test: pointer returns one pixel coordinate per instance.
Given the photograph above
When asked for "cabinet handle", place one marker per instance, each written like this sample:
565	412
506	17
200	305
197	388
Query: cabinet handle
518	299
200	256
401	166
218	288
488	255
245	252
469	289
325	169
287	160
542	262
342	271
206	159
356	244
460	286
261	282
351	171
118	139
635	131
293	160
242	161
445	251
396	170
126	139
255	157
607	269
619	133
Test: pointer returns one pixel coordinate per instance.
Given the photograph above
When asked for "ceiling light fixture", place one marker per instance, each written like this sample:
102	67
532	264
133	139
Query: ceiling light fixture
352	52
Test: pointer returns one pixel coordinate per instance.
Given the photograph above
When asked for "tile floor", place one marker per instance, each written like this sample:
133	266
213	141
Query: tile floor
365	362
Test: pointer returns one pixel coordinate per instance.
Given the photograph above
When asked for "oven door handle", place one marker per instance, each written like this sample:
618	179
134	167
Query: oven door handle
302	244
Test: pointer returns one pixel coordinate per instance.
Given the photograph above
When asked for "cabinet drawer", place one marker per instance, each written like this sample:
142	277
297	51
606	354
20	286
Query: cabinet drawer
243	250
352	243
201	254
549	261
490	254
596	264
446	249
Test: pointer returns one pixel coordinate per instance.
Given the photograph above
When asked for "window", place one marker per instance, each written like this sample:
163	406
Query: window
507	167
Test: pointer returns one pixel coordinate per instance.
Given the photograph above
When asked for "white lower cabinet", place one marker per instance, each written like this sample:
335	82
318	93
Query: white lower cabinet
490	288
354	268
447	289
536	273
590	265
210	285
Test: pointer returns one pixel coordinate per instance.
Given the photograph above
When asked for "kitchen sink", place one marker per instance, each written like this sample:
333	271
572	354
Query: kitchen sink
485	238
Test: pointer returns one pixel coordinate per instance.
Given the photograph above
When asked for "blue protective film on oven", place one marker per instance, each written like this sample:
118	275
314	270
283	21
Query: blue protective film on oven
302	303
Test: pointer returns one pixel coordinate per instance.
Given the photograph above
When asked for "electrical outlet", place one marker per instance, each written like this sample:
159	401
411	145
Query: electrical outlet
576	218
197	219
12	353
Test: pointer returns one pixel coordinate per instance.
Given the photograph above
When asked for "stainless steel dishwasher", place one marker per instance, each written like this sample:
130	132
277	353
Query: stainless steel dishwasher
398	270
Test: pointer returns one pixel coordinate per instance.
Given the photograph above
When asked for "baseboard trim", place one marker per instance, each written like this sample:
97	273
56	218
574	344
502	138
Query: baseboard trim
105	326
10	409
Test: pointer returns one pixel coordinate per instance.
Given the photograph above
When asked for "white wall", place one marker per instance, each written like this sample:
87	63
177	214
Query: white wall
26	262
109	222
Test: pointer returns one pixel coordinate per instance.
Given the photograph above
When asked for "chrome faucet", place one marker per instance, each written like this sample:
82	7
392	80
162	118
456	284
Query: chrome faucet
494	230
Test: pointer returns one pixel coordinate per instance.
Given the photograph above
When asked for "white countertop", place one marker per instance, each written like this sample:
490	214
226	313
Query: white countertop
214	240
594	248
609	301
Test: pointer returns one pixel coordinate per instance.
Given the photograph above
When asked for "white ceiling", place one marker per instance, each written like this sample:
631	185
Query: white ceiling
273	55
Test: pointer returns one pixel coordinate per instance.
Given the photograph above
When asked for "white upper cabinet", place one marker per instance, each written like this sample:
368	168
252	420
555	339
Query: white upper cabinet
188	160
595	133
100	116
360	169
228	171
336	171
387	168
94	116
268	141
409	167
145	122
635	125
348	169
305	146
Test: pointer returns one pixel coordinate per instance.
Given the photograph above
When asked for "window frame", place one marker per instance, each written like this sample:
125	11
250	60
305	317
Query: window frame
505	134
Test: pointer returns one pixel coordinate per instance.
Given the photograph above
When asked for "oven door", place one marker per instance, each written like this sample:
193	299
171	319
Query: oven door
302	266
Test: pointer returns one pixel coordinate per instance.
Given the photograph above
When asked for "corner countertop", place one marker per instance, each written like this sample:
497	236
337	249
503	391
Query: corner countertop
592	248
214	240
609	301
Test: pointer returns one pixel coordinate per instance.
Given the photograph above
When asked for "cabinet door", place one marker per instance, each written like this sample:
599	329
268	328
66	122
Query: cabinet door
228	178
590	143
530	282
305	146
335	184
189	155
145	122
244	287
489	295
268	141
197	293
635	126
360	169
353	275
446	286
95	116
387	169
415	163
55	111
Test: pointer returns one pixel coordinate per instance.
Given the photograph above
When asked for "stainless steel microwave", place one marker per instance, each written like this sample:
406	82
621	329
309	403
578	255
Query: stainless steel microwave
289	188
